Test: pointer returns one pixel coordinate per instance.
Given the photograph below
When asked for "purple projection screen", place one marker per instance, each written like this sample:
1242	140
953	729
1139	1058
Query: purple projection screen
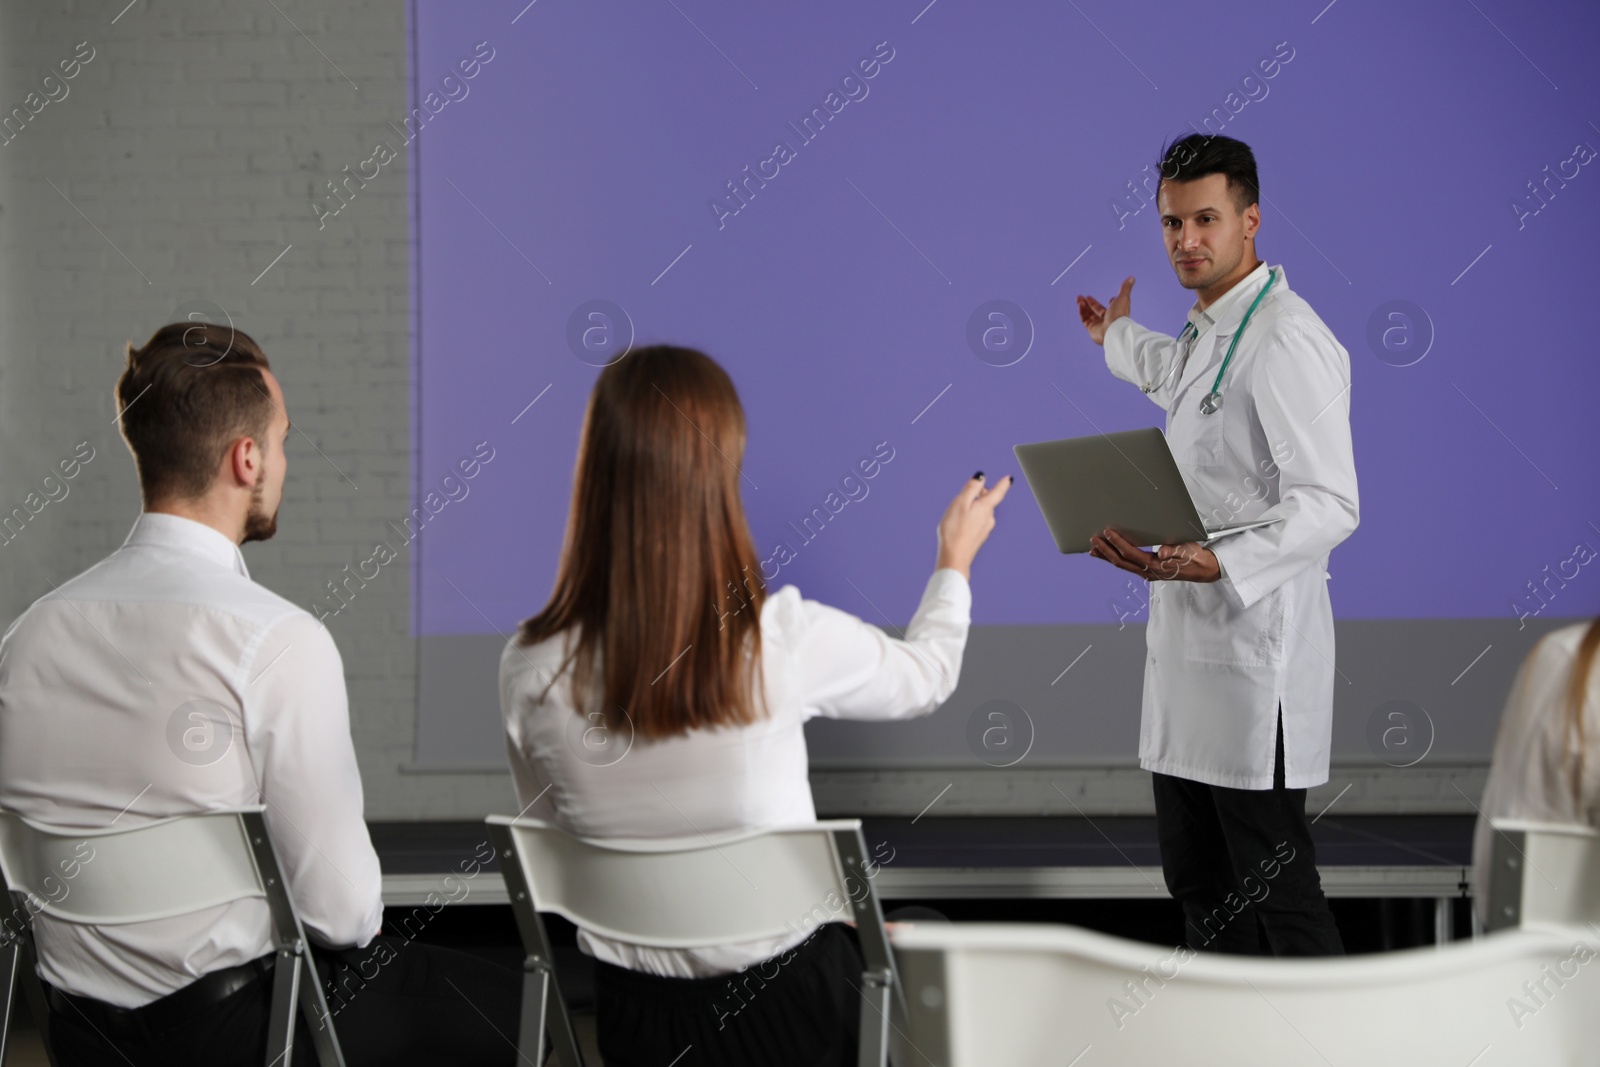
827	197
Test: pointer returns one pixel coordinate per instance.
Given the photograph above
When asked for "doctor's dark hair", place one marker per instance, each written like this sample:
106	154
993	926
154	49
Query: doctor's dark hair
1199	155
192	390
659	575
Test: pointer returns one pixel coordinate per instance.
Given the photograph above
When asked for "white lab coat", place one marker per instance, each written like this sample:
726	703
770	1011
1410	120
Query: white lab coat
1223	655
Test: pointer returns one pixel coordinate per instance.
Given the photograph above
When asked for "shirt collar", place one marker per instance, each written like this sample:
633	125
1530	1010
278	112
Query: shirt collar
1226	311
186	535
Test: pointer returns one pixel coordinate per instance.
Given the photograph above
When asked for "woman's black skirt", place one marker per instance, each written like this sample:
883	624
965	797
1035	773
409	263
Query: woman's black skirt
801	1008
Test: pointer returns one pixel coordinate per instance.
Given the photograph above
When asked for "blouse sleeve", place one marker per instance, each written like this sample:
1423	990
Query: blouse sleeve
845	668
519	677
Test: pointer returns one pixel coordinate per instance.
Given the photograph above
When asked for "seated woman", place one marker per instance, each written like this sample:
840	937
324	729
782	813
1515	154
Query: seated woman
662	693
1546	763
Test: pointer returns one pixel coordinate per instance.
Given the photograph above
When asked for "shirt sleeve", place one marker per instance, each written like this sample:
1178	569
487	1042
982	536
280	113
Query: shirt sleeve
1300	386
298	728
1138	355
849	669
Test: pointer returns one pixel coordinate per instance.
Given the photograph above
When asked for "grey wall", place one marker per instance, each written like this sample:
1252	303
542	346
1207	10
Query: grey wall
1416	706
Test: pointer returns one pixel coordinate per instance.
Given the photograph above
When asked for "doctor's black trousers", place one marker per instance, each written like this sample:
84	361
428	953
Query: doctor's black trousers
1242	864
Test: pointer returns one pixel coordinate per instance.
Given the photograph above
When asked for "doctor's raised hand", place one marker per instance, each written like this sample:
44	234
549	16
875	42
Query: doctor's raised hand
1187	562
1096	316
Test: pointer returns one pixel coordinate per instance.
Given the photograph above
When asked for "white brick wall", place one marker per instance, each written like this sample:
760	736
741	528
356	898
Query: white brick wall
194	140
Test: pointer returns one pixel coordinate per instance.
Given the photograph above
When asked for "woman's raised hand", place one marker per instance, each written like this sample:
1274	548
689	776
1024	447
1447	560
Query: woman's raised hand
967	522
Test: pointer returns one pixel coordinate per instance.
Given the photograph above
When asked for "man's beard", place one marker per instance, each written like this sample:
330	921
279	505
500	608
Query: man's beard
1218	272
258	525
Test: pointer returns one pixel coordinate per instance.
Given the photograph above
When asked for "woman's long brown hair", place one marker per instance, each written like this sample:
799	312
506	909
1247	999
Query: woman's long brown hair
658	570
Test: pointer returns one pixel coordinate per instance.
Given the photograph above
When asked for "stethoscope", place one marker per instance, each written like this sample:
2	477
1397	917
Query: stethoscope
1212	401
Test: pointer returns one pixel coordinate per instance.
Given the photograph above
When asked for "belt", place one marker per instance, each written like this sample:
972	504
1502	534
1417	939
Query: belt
198	996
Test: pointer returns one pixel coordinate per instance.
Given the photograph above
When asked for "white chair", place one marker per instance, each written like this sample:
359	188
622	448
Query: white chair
1543	874
1014	994
691	893
109	877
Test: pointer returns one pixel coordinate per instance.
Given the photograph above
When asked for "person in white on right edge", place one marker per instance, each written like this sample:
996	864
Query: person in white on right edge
709	695
1546	762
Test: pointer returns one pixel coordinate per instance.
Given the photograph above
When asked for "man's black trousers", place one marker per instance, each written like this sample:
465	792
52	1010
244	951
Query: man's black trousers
422	1005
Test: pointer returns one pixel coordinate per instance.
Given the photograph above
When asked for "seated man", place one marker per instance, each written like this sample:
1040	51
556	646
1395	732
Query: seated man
163	681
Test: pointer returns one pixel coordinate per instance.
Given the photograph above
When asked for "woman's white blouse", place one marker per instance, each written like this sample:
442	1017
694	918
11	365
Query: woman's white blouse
817	660
1529	776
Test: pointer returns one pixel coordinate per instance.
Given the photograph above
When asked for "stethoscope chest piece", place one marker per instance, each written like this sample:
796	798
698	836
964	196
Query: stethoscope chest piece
1212	401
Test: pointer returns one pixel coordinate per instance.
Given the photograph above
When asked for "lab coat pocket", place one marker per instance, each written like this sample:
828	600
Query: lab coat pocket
1197	437
1216	631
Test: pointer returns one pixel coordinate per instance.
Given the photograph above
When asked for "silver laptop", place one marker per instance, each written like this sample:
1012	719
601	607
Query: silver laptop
1127	481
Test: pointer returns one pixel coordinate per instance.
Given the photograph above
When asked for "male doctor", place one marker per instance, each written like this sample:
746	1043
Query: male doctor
1238	688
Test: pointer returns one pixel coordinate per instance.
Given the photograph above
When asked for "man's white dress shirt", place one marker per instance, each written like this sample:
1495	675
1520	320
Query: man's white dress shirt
1533	774
817	661
163	681
1222	655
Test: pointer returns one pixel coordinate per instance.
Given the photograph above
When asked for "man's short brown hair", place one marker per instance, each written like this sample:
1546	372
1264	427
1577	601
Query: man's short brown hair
190	392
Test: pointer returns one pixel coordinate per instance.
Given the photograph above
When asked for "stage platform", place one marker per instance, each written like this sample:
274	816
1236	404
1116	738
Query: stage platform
981	858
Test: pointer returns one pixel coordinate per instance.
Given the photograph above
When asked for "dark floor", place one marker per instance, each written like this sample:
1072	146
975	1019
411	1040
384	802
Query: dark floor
1366	925
1361	840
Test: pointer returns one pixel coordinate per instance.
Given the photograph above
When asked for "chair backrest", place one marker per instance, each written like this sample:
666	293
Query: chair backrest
1543	874
1036	993
116	875
692	892
110	876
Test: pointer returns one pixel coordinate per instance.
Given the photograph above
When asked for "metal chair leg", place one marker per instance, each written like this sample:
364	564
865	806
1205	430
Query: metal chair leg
285	994
530	1038
544	1011
10	963
314	1005
875	1003
542	1005
27	960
